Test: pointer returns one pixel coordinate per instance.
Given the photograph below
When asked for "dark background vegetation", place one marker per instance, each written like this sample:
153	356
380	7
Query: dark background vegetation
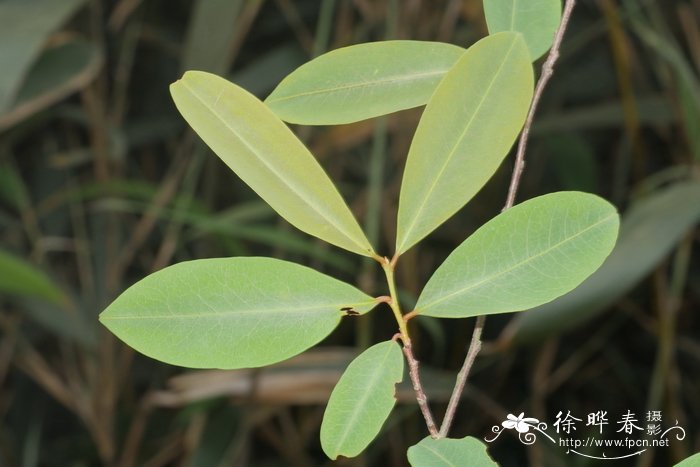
101	184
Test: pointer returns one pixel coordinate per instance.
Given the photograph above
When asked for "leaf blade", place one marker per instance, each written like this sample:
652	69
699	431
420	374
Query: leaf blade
267	156
536	20
231	312
648	232
466	131
362	400
363	81
446	452
505	267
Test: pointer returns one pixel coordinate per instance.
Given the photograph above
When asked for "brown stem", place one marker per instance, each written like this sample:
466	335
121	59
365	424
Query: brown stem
475	344
418	388
474	348
547	71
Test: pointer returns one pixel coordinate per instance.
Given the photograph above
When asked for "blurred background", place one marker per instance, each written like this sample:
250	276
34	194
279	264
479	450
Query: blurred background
101	183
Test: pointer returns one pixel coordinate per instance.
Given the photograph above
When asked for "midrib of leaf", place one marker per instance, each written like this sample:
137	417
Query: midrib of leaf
414	77
363	399
309	203
512	15
237	313
453	150
439	456
517	265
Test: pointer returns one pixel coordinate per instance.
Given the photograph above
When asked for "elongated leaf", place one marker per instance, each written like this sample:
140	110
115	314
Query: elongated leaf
467	129
448	452
524	257
18	277
536	20
256	145
362	400
363	81
687	82
24	27
230	312
210	35
648	233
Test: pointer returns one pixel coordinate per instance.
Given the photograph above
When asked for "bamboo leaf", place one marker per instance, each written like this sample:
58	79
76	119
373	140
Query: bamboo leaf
60	71
18	277
363	81
536	20
362	400
256	145
231	312
524	257
467	129
25	28
446	452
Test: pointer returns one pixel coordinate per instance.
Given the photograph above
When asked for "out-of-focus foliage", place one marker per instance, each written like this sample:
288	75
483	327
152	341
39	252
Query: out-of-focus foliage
100	185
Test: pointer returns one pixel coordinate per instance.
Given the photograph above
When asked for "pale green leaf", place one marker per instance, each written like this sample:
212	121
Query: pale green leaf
467	129
446	452
692	461
18	277
362	400
524	257
536	20
256	145
649	231
363	81
231	312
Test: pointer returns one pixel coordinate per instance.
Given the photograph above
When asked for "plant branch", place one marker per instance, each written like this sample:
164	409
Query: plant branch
475	344
418	388
413	372
474	348
547	71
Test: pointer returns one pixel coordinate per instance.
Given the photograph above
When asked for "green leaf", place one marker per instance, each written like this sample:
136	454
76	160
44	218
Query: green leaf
467	129
524	257
231	312
24	28
362	400
18	277
651	228
536	20
446	452
256	145
692	461
686	79
363	81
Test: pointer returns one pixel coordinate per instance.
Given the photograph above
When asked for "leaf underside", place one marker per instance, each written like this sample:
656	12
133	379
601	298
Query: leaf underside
536	20
466	131
267	156
231	312
363	81
362	400
524	257
446	452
